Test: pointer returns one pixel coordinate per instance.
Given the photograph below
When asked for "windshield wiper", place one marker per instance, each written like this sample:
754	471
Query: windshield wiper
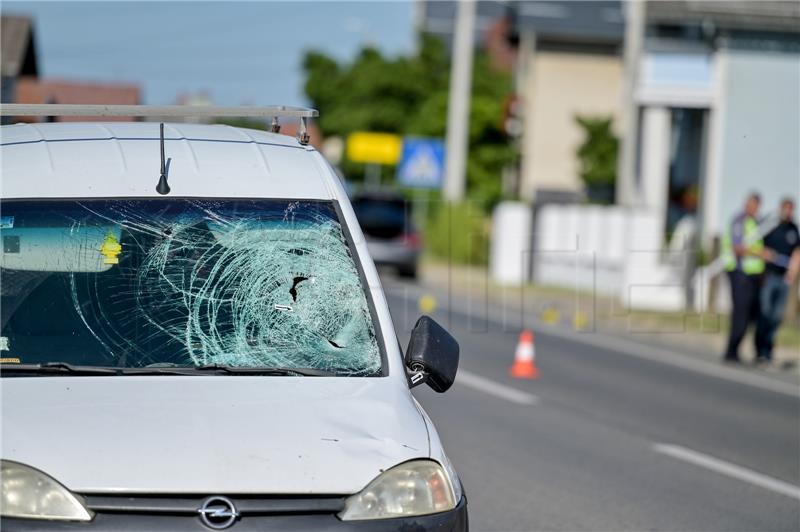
265	370
220	369
61	368
166	370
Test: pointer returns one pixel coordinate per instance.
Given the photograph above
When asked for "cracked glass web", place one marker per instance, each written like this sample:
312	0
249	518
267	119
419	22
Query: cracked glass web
133	283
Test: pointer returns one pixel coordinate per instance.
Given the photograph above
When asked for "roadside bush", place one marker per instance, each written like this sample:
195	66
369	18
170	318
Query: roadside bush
457	232
597	156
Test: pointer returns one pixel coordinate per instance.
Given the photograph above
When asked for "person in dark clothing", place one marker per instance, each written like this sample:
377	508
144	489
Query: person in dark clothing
780	273
744	255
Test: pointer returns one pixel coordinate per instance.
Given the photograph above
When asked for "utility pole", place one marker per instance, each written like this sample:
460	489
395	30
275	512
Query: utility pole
526	52
458	108
626	167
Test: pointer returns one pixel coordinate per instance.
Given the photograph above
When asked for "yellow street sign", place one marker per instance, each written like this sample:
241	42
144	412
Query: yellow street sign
376	148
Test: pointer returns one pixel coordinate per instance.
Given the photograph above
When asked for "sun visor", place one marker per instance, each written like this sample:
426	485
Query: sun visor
61	249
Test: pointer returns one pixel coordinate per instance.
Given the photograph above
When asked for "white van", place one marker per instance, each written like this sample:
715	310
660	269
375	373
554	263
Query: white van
194	337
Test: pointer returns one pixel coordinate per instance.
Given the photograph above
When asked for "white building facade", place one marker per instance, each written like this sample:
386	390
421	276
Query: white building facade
718	102
714	101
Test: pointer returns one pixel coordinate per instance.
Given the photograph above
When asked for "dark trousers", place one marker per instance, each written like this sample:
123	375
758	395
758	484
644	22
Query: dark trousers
772	301
744	295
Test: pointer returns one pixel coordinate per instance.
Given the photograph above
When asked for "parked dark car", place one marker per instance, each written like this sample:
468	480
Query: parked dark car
392	239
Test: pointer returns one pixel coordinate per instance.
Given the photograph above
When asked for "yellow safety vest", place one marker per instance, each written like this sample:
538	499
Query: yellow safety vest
751	239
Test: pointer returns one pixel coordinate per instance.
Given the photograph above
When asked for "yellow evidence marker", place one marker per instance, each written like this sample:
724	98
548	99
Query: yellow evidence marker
427	304
551	315
580	320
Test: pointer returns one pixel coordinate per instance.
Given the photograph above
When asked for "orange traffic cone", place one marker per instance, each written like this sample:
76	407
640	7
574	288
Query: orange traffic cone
524	366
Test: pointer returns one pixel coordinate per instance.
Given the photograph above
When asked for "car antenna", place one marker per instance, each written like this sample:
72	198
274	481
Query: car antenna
162	187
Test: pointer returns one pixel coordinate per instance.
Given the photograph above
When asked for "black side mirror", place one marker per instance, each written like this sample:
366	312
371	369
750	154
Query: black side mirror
432	355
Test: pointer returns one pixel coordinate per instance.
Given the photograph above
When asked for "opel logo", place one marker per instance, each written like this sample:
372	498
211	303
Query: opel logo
218	512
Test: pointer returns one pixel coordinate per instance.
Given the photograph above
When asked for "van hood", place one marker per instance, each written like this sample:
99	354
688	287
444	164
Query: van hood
211	434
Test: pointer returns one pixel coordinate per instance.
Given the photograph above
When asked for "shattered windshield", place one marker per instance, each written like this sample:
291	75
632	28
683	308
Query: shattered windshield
184	282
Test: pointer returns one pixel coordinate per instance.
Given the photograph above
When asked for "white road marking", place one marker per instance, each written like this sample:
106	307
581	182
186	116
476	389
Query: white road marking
728	469
496	389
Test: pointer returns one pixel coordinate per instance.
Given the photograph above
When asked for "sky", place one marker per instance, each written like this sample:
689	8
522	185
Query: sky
240	53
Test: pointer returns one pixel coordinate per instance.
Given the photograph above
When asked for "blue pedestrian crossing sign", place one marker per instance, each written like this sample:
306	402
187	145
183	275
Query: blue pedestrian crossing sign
421	163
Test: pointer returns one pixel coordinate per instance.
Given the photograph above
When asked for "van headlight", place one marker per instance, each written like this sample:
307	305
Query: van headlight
418	487
29	493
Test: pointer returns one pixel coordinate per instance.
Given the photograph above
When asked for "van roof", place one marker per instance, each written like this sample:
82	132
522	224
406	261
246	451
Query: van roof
122	159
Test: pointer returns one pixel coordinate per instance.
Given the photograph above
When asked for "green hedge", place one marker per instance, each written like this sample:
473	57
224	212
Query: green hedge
457	232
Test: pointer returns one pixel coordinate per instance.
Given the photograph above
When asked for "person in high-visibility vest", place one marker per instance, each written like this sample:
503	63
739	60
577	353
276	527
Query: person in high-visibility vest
744	255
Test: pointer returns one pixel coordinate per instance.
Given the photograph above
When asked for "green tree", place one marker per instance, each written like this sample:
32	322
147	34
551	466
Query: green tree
409	96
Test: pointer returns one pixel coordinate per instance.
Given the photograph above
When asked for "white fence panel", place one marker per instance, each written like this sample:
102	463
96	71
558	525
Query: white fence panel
611	250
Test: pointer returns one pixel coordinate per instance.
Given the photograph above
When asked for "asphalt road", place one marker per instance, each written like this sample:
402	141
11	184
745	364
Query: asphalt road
609	438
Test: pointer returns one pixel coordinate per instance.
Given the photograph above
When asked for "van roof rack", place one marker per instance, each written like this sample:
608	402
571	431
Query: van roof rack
168	111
